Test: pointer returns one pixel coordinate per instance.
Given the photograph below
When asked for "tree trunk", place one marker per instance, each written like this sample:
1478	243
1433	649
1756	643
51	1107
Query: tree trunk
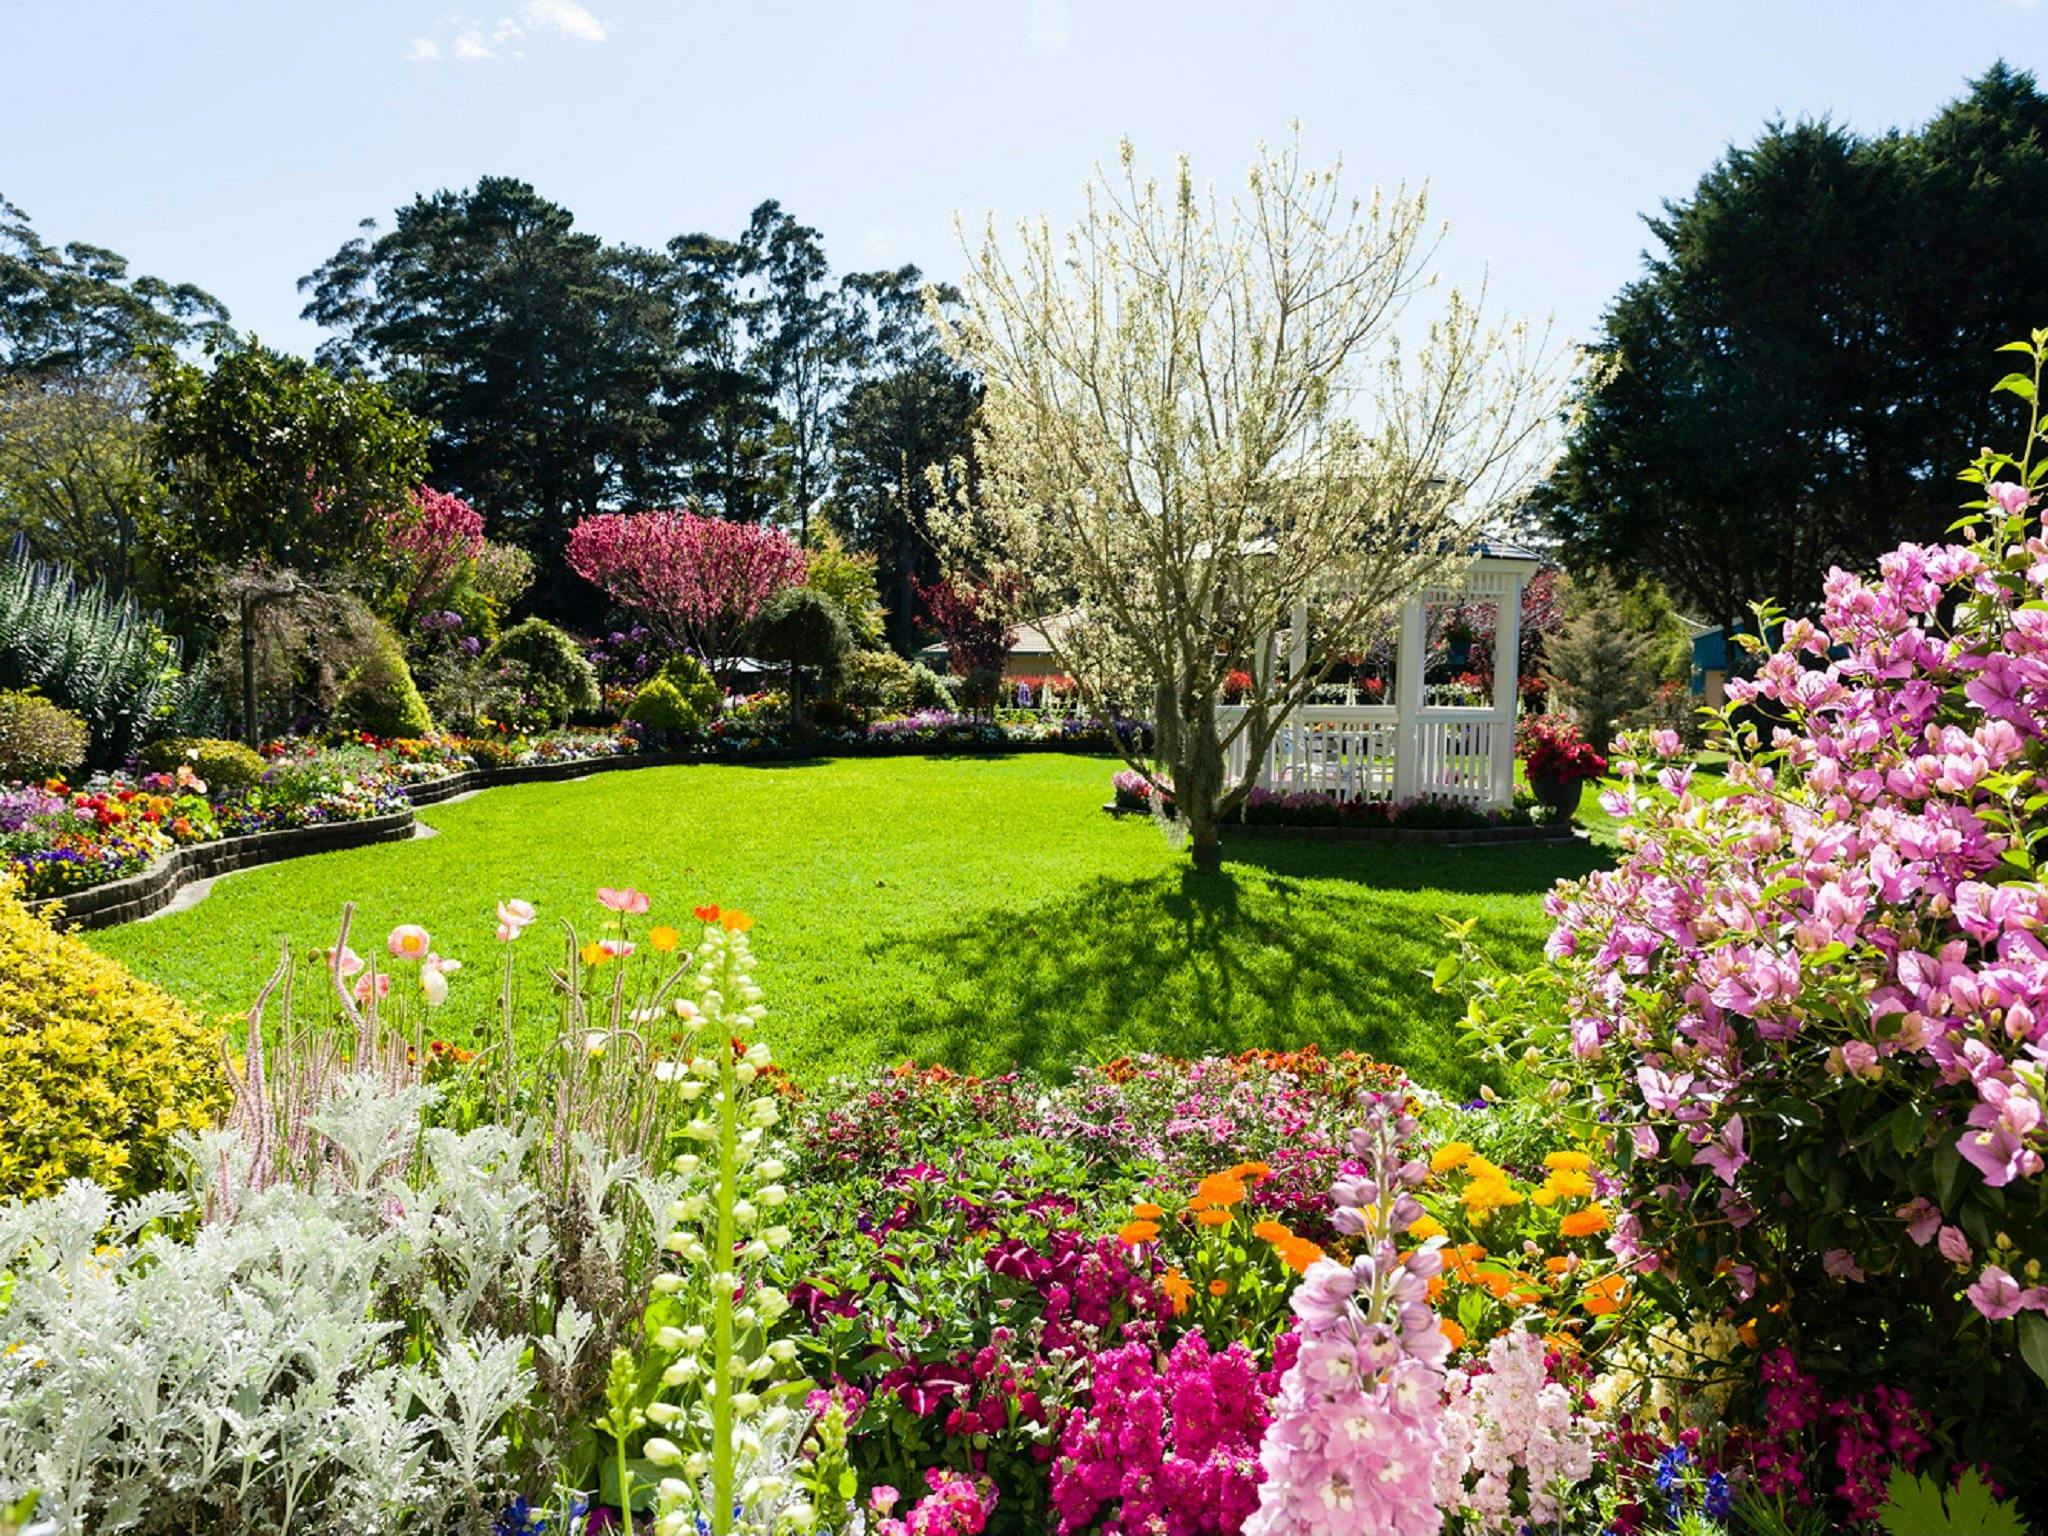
249	667
1198	778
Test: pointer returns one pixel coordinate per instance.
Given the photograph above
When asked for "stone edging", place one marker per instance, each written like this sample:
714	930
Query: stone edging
1469	836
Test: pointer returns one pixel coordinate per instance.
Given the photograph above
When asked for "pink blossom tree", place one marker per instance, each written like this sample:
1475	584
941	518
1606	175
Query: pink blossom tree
430	537
698	581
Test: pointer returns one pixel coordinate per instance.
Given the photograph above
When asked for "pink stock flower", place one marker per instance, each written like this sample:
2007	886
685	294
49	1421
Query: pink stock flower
628	901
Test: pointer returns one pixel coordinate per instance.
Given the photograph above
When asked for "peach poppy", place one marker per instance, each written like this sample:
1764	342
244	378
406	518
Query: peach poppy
408	941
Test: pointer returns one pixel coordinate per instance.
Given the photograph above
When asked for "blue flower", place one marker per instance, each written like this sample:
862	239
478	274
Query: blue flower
1671	1468
1720	1500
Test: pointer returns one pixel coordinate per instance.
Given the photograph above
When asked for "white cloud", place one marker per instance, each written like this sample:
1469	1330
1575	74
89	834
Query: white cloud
472	42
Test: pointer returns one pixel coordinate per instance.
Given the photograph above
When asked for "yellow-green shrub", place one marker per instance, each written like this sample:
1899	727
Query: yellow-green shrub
98	1070
223	765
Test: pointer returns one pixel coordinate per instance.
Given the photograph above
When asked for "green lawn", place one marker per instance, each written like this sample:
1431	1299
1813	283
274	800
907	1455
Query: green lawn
980	912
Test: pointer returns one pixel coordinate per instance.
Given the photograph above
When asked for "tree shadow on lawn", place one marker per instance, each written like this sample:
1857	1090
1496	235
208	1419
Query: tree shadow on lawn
1289	944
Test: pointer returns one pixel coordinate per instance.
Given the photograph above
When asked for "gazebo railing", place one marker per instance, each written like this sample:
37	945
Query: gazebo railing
1351	750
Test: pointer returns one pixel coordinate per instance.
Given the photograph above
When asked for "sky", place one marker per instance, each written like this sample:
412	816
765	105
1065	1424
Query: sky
237	145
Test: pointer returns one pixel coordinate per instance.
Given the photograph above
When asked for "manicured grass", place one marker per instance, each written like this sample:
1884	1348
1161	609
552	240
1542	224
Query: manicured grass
979	912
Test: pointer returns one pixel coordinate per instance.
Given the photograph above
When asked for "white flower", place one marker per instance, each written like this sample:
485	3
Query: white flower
663	1453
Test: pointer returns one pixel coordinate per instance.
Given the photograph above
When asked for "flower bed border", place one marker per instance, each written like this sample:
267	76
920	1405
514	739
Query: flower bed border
143	895
1476	836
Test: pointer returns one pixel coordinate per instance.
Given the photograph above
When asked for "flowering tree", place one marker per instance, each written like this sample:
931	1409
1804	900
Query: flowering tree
1812	1014
697	580
976	616
430	537
1194	421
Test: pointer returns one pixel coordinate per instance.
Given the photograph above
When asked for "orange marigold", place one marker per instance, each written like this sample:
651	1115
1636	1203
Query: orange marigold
1145	1210
1584	1223
1177	1289
1272	1231
1219	1287
1213	1218
1133	1233
1453	1332
1220	1189
1298	1254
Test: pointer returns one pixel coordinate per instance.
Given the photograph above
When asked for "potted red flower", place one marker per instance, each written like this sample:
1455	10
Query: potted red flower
1558	760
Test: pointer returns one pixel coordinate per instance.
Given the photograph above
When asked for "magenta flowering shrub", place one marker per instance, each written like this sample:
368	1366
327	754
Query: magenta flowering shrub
1168	1450
1812	1014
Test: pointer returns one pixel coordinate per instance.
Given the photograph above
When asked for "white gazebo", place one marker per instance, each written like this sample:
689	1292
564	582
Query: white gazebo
1410	749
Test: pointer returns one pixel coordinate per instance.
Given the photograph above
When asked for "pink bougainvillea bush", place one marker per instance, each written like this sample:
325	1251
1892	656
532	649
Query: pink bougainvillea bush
1810	1016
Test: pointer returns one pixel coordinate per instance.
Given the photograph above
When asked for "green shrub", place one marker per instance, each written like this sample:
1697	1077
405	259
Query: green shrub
546	668
928	690
98	1071
660	707
698	687
879	680
94	653
37	739
380	697
226	766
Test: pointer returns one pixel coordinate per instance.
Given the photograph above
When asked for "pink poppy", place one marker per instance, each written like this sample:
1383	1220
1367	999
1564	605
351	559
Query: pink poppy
628	901
408	941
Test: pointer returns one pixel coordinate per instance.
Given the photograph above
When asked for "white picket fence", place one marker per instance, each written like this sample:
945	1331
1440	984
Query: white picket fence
1353	751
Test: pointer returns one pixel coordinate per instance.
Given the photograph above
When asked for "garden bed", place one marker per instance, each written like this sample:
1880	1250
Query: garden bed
1546	833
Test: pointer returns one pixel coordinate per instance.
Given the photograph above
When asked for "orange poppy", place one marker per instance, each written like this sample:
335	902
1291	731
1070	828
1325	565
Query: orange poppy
733	921
1136	1232
707	914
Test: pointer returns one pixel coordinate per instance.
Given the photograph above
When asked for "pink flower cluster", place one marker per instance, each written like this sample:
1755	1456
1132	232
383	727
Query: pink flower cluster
1359	1425
1860	922
1165	1453
698	580
1509	1426
956	1506
1871	1436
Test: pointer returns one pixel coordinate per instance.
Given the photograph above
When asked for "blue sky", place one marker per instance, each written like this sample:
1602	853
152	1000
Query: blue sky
236	145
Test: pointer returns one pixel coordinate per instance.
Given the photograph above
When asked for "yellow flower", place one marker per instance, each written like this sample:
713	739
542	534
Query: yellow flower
1569	1184
1425	1228
732	920
595	954
1491	1194
1451	1154
664	938
1577	1162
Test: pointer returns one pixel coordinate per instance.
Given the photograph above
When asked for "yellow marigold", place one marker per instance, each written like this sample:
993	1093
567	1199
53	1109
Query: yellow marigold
1425	1228
1577	1162
1451	1154
1569	1184
1584	1223
1484	1195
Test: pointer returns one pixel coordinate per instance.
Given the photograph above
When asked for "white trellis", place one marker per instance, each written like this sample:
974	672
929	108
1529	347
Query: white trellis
1410	749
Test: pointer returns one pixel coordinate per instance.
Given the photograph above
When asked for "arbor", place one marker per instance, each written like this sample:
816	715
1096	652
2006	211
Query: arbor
1194	421
1802	358
281	471
698	581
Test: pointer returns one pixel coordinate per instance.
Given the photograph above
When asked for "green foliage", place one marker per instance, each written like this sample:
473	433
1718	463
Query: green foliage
75	469
879	680
92	652
928	690
805	631
1919	1506
1598	664
849	581
226	766
379	695
546	668
98	1071
1804	349
695	683
661	708
37	739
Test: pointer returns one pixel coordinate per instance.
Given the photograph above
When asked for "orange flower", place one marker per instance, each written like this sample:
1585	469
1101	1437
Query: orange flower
1177	1289
1250	1171
734	921
595	954
1219	1287
1272	1231
1584	1223
1145	1210
1557	1266
1213	1218
706	914
1220	1189
664	938
1135	1232
1298	1253
1453	1332
1606	1295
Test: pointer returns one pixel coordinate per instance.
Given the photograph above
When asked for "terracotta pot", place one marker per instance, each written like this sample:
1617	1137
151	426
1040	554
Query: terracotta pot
1560	795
